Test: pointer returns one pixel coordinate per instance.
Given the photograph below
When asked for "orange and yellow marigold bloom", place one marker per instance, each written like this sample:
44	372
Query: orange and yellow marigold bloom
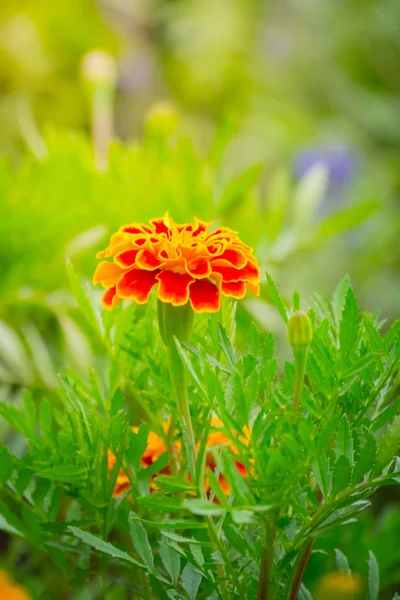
154	449
216	440
9	590
187	263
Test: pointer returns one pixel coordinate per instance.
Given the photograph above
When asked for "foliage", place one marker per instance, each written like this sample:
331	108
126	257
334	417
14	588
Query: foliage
308	472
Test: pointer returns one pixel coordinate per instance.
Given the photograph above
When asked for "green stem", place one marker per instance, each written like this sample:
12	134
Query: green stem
300	362
178	376
264	584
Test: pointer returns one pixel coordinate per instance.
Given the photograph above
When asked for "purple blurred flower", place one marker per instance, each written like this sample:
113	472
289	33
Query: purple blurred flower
340	162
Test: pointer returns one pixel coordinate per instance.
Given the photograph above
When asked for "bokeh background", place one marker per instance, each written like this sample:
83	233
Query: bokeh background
280	118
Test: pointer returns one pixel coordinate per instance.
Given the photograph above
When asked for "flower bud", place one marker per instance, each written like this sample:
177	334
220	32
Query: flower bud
99	69
300	329
161	119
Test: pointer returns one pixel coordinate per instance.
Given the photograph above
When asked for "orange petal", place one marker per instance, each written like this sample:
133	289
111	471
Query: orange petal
135	228
126	258
136	285
146	260
110	298
199	268
234	258
250	272
204	296
234	289
174	287
107	273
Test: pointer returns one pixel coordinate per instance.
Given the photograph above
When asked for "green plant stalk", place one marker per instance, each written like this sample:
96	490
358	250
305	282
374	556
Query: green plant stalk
178	377
300	363
264	584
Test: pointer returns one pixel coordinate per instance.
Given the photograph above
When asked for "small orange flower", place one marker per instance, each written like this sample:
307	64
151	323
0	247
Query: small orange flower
218	438
187	262
154	449
9	590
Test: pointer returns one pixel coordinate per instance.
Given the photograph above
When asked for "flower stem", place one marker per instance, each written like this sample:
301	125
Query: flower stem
264	584
178	376
300	362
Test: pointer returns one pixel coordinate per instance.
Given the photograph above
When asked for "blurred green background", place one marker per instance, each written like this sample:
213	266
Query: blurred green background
278	118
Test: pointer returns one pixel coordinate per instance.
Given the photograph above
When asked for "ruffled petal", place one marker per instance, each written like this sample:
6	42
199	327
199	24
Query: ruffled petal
135	228
234	289
174	287
204	296
234	258
136	285
107	273
127	258
199	268
110	298
146	260
250	272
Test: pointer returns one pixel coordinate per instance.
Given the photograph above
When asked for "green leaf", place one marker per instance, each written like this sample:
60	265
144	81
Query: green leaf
373	577
342	564
171	561
6	464
349	327
226	346
65	473
389	444
277	300
346	219
344	440
140	540
366	460
341	474
338	300
322	473
191	579
203	507
174	484
101	546
160	502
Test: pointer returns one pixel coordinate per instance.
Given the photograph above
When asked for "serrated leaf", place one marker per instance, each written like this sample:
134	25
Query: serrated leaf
373	577
341	474
367	458
191	579
349	328
338	299
171	561
140	540
344	440
64	473
277	300
102	546
226	346
389	444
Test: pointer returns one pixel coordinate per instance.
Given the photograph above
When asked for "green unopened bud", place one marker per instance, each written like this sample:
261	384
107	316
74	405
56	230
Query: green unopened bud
162	119
300	329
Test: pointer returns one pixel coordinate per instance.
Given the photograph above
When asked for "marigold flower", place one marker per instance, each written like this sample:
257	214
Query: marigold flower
218	438
11	590
154	449
186	262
